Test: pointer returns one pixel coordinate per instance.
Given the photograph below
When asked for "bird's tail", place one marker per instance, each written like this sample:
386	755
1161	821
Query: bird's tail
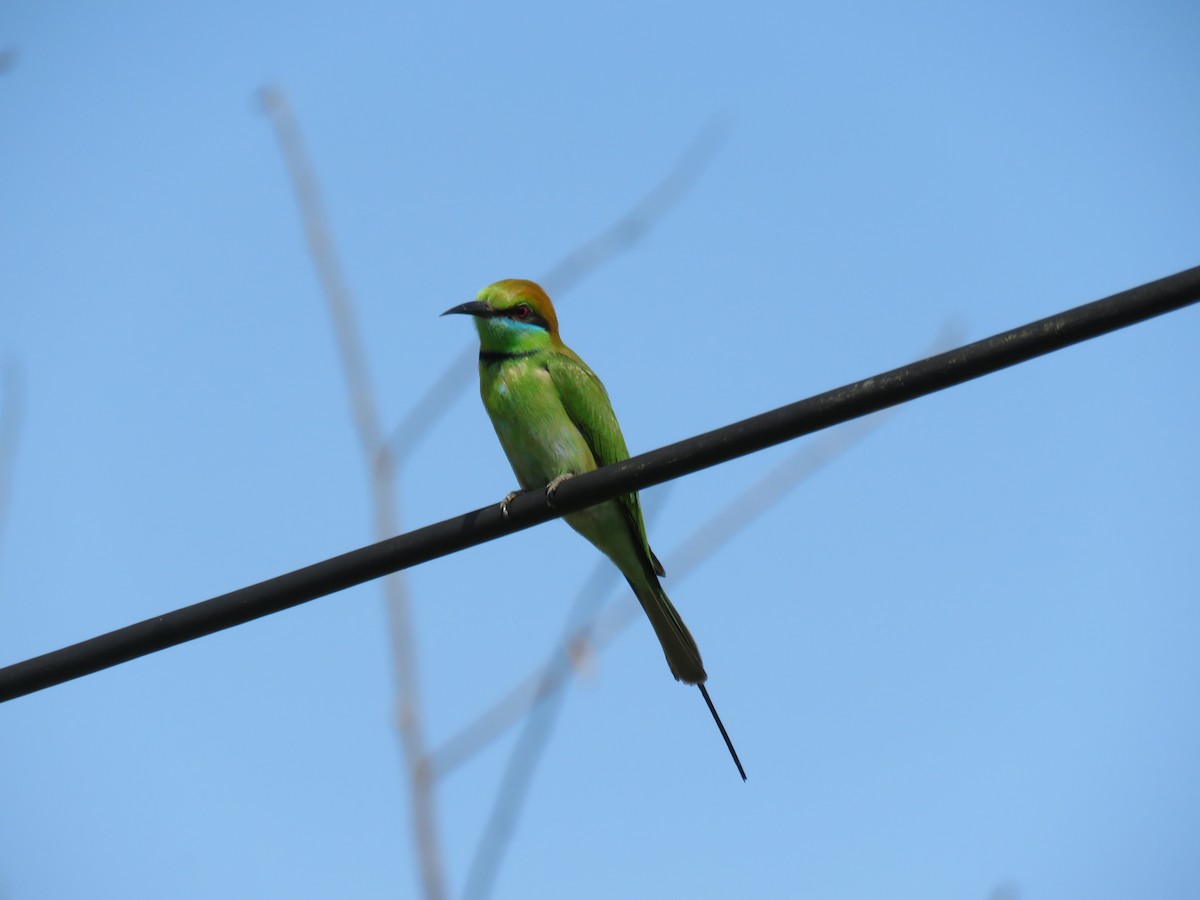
678	645
683	656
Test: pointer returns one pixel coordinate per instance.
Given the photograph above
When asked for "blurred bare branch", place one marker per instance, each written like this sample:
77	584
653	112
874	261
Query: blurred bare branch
426	412
381	477
569	271
11	414
8	59
329	270
543	709
649	211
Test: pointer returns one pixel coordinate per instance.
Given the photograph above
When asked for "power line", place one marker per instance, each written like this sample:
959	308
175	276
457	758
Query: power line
721	445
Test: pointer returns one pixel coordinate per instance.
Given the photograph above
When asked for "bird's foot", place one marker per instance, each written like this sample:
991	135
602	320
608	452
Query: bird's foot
512	495
552	487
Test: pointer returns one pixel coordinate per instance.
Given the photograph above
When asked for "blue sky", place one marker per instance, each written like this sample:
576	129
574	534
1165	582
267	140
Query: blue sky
959	659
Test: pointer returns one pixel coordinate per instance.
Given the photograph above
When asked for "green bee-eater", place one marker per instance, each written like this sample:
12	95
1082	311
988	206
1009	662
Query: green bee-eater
554	420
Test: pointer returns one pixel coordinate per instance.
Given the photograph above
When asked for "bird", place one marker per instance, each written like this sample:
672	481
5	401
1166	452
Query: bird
554	421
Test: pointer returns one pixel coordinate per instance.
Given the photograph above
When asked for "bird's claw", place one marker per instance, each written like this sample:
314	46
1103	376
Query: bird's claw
552	487
507	500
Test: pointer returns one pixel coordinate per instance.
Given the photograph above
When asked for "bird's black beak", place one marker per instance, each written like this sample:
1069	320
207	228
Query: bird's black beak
474	308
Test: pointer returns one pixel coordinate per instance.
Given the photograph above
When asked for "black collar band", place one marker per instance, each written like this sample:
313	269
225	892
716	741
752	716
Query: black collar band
490	356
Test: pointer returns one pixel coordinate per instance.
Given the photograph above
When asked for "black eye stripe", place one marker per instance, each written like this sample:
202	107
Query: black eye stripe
530	318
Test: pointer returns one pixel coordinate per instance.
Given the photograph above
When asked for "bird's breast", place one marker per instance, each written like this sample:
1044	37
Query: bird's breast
538	437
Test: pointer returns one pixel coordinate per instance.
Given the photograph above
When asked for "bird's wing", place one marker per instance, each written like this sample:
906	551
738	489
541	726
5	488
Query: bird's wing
586	403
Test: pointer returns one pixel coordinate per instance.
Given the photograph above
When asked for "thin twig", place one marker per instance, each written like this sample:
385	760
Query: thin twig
569	271
575	647
649	211
426	412
543	709
381	478
329	270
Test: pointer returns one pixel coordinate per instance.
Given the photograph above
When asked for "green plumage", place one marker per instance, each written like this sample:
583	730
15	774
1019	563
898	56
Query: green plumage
553	418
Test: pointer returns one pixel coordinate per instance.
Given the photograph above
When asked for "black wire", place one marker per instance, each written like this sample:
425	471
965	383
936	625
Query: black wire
530	508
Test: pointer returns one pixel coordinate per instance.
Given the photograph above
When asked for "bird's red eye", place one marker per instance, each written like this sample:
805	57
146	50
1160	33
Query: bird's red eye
522	311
